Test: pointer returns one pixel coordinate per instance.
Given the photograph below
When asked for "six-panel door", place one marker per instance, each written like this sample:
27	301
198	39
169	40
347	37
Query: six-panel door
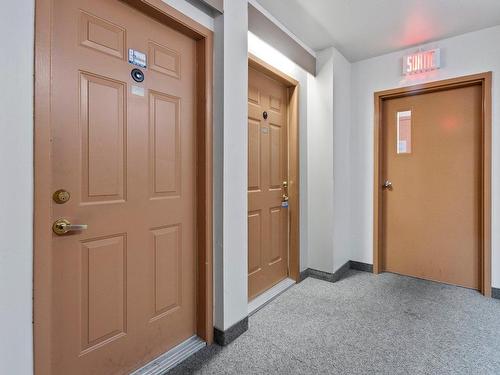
267	172
123	291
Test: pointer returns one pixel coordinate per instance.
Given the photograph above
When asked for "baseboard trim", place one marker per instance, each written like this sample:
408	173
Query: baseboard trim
327	276
172	358
226	337
360	266
495	293
337	275
303	275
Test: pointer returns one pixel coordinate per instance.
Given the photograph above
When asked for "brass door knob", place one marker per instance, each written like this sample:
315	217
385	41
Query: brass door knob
387	185
63	226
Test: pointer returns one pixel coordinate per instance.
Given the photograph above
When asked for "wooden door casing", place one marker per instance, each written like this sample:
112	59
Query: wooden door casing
483	80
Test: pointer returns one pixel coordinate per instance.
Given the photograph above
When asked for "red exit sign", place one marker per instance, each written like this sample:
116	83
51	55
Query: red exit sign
422	61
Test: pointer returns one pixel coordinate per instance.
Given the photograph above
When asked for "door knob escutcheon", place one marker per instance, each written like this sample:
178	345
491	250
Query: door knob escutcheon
387	185
63	226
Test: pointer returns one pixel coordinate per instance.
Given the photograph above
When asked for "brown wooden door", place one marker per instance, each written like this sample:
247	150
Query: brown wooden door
123	291
431	216
267	170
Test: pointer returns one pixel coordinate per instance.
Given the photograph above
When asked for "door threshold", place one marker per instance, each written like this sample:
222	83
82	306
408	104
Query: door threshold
263	299
167	361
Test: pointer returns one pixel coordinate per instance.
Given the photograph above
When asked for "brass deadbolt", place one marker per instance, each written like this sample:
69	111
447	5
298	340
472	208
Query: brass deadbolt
61	196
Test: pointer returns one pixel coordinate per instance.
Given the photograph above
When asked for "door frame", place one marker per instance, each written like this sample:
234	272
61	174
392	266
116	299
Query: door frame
42	239
292	86
482	79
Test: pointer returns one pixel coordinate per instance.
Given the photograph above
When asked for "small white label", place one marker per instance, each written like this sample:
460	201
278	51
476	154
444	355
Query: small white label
284	204
137	58
137	90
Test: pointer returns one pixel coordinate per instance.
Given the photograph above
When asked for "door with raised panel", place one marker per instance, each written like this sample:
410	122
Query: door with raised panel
123	290
267	183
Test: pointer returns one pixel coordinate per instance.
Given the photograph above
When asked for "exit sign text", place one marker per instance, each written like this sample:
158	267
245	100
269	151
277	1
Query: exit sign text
422	62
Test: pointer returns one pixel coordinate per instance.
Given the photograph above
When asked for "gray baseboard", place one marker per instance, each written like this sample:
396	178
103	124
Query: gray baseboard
226	337
337	275
303	275
495	293
360	266
327	276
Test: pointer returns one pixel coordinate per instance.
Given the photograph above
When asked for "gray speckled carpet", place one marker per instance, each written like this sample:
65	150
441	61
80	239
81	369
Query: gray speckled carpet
363	324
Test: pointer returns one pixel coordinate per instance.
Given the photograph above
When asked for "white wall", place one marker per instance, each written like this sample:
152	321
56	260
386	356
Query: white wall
462	55
193	12
16	187
273	57
320	164
341	160
231	116
260	8
329	121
